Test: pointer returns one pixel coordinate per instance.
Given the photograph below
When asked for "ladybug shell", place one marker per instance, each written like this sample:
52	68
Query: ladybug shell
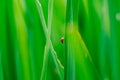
62	40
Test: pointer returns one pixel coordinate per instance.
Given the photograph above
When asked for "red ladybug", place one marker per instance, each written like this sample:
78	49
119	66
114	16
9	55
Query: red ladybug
62	40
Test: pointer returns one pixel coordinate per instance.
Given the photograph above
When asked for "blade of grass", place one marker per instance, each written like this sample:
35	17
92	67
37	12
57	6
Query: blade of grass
79	61
2	36
46	32
22	39
53	53
50	14
79	64
105	42
46	53
42	17
114	9
12	43
36	37
1	69
3	40
45	63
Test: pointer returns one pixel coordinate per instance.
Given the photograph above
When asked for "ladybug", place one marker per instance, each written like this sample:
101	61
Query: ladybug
62	40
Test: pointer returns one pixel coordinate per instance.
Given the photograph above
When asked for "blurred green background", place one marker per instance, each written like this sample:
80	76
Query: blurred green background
91	47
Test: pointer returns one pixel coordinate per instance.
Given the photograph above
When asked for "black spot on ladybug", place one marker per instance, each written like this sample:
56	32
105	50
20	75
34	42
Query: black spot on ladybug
62	40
